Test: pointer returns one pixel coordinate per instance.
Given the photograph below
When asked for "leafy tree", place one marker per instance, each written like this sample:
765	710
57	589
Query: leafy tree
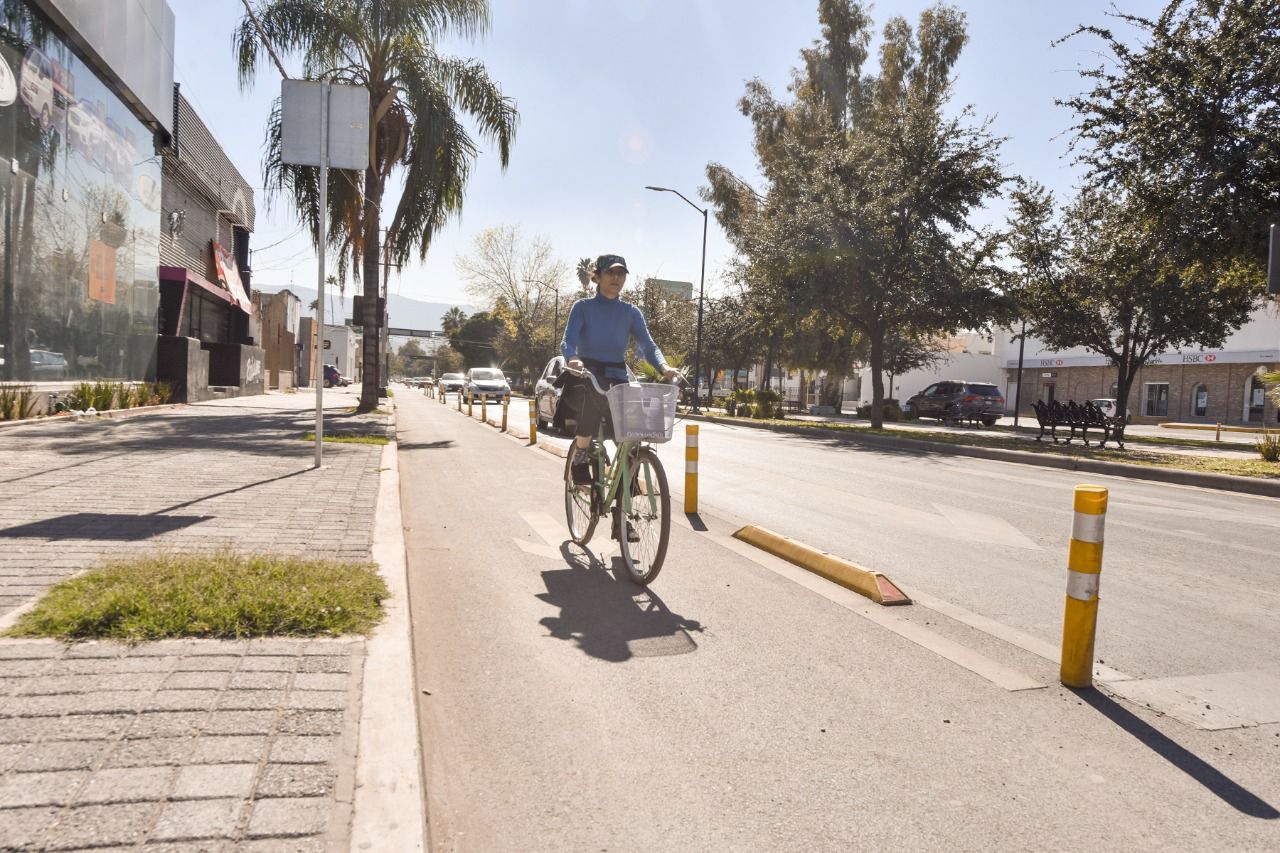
864	226
1185	124
522	278
478	338
411	360
1099	277
449	360
417	99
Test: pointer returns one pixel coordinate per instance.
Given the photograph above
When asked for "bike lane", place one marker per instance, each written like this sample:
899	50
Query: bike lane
736	707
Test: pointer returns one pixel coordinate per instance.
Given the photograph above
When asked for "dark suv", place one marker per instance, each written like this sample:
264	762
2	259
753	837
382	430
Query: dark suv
954	401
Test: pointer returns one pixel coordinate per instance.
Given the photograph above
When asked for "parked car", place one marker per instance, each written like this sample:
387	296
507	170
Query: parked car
48	365
1110	408
487	383
954	401
331	376
547	396
452	382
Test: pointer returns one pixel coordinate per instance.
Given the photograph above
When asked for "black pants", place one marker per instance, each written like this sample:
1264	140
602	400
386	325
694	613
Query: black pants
595	408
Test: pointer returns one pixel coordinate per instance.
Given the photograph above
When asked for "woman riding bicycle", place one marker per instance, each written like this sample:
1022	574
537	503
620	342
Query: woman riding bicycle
595	338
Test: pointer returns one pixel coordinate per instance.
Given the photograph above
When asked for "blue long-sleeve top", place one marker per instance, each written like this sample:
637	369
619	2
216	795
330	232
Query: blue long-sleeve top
600	328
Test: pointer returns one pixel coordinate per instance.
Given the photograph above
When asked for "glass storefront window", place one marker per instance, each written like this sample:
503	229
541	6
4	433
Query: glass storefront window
1157	399
79	216
1199	401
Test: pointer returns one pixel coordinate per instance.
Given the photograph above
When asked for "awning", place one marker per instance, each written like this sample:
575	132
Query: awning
182	275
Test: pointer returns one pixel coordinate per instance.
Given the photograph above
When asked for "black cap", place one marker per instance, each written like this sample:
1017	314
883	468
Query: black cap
605	262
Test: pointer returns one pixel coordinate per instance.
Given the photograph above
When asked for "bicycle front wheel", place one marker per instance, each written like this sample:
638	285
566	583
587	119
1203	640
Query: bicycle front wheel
648	522
579	505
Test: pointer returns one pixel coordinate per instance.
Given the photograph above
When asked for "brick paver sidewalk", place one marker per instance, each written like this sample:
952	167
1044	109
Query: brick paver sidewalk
179	745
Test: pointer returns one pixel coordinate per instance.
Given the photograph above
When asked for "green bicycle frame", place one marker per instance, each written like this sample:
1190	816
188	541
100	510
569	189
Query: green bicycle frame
615	474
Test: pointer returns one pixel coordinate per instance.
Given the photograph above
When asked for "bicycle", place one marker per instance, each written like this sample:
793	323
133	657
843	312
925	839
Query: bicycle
633	479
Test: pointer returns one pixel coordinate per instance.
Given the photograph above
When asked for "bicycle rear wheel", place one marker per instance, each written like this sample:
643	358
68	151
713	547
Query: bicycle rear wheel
579	505
649	519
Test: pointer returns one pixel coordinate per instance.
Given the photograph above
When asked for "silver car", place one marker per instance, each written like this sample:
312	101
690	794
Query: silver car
486	383
547	396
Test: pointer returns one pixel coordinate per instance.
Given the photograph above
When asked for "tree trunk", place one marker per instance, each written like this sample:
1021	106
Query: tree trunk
768	367
804	392
830	393
372	322
877	378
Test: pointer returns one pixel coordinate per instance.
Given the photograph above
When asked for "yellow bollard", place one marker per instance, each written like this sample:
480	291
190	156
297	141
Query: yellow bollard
691	468
484	411
459	393
1217	433
506	401
1084	569
533	421
471	401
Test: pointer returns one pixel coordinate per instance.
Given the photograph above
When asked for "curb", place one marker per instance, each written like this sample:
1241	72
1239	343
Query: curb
110	414
1221	482
388	810
849	575
1213	427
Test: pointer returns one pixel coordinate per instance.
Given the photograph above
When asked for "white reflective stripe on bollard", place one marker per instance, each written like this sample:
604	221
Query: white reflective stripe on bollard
1087	528
691	467
691	439
1082	586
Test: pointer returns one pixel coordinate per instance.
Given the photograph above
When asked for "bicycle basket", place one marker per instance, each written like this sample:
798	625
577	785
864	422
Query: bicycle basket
643	411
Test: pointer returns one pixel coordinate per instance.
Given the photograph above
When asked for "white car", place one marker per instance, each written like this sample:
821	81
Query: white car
1109	407
35	86
85	127
487	383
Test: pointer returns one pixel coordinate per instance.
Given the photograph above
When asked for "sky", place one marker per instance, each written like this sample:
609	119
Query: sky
614	96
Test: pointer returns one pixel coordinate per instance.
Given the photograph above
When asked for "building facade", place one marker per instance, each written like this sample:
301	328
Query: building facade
207	345
80	195
276	326
1190	386
342	349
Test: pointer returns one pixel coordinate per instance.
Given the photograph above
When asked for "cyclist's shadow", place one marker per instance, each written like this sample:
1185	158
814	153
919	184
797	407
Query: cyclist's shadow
609	618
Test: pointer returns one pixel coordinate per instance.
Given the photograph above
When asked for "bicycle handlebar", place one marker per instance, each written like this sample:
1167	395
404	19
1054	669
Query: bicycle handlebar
588	374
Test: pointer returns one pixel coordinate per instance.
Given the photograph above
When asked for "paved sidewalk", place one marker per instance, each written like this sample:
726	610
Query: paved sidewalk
194	745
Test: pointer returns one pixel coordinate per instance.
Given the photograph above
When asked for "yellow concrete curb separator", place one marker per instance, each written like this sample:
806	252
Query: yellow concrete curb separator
873	585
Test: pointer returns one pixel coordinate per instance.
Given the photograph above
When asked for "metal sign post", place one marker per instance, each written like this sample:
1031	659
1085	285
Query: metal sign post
341	115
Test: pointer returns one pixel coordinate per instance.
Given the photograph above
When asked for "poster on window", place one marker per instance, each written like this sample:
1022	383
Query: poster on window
1258	398
229	276
102	272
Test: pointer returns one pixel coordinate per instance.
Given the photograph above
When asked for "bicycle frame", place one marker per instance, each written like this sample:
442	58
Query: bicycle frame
614	475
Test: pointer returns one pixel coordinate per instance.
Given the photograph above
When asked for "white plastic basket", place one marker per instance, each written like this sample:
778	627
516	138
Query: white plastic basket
643	411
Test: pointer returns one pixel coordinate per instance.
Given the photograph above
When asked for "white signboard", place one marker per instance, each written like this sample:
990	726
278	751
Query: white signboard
301	104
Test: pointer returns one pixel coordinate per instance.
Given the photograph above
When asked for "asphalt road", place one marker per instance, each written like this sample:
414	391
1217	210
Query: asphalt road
742	704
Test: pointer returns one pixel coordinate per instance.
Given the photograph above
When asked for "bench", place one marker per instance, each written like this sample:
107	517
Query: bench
1077	416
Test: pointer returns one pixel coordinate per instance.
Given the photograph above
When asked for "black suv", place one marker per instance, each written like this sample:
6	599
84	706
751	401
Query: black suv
954	401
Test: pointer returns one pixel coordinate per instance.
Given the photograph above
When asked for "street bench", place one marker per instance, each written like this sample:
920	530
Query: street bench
1077	416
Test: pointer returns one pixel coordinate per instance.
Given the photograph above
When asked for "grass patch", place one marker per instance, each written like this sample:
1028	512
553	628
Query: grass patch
355	410
1239	467
221	595
349	438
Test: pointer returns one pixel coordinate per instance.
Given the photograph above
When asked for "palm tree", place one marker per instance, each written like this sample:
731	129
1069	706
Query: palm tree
416	96
452	321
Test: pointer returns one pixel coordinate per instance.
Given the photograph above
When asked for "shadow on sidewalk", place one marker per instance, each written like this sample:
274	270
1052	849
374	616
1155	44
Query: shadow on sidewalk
608	618
115	527
1210	777
276	434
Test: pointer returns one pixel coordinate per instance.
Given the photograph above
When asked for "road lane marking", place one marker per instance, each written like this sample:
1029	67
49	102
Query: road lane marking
982	527
997	673
553	533
1228	700
1013	636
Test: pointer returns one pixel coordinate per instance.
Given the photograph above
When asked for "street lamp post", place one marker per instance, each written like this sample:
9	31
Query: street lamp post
697	352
